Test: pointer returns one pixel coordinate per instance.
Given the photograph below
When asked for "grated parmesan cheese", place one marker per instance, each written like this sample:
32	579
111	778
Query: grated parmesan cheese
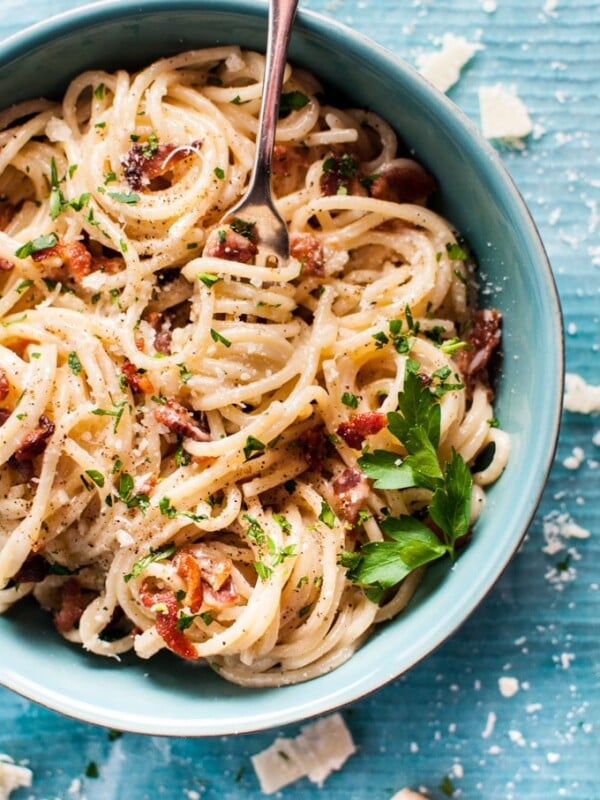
581	397
442	68
508	686
12	776
503	114
321	747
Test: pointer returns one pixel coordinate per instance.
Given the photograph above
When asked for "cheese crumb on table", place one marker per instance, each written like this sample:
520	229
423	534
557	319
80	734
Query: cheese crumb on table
442	68
580	396
321	747
12	776
508	686
503	114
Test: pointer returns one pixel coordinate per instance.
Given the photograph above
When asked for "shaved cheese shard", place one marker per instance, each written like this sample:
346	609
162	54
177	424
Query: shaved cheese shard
442	68
321	747
581	397
503	114
12	776
408	794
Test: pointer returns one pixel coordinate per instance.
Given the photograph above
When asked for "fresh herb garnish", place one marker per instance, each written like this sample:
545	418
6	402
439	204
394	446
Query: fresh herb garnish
74	363
130	198
35	245
411	543
253	445
217	337
140	565
292	101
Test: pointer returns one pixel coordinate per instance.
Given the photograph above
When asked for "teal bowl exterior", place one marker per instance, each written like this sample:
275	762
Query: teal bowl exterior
167	696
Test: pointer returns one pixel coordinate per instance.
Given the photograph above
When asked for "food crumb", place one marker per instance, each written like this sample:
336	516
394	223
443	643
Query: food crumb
489	725
508	686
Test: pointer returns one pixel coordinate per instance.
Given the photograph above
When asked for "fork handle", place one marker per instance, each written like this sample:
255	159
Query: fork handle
281	18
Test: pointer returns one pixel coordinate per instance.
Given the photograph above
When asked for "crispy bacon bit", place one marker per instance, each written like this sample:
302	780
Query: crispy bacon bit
35	442
359	426
223	597
75	257
341	175
403	184
6	265
215	571
179	419
163	334
4	385
71	608
313	445
309	252
188	568
483	338
136	379
351	489
4	415
7	212
144	162
230	245
167	613
109	264
286	157
34	570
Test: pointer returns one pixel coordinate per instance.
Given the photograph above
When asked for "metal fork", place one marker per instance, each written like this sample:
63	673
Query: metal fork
257	207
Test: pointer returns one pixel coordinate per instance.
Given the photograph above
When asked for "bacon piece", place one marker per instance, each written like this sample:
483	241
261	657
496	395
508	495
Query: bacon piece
136	380
4	415
351	489
72	605
309	252
286	157
354	431
223	597
230	245
179	419
313	445
109	264
167	613
74	256
188	568
34	570
143	162
4	385
35	442
483	338
403	184
341	175
6	265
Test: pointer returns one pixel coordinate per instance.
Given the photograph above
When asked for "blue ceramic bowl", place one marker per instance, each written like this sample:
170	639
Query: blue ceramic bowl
171	697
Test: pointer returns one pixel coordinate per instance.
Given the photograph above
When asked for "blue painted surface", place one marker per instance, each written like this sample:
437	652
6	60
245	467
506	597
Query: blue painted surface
447	717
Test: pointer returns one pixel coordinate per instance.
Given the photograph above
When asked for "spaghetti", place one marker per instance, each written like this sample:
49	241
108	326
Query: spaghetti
192	443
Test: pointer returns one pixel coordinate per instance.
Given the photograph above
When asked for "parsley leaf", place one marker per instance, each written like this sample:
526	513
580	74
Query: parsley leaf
450	507
33	246
140	565
416	407
292	101
253	446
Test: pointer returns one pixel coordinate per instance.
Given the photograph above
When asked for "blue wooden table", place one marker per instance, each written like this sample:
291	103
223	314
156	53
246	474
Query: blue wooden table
449	726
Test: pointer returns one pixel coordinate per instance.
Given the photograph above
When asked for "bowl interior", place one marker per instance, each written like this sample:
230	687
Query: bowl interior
172	697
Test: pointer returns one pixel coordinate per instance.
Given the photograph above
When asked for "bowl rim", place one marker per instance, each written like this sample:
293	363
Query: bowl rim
83	17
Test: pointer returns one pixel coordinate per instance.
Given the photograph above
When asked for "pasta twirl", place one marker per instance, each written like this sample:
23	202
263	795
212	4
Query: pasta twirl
190	441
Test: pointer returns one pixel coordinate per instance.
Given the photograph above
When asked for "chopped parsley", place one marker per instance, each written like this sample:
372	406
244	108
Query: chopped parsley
23	285
208	279
35	245
130	198
74	363
292	101
327	515
253	445
140	565
350	400
217	337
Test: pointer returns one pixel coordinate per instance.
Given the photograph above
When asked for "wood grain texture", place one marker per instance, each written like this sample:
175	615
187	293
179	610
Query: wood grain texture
447	717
